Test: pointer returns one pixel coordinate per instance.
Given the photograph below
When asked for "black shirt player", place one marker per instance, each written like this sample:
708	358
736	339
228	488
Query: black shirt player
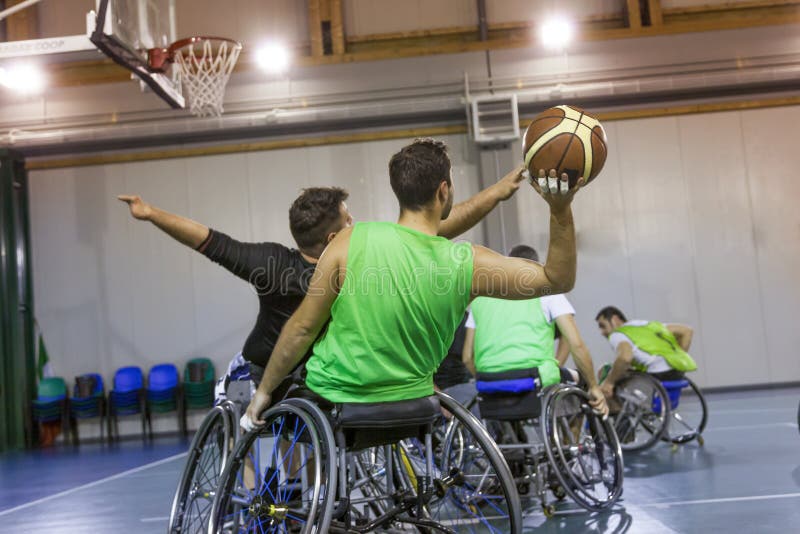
279	274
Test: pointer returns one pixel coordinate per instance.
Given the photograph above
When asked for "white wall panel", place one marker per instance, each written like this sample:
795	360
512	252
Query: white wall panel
500	11
715	181
678	227
772	162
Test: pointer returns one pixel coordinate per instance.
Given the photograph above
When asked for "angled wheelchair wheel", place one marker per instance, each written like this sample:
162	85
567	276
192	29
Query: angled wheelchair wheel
474	490
582	448
689	417
208	454
280	477
644	414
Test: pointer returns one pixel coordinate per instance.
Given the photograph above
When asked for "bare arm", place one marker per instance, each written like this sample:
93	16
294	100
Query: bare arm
583	360
580	353
468	353
683	334
621	364
562	352
305	324
498	276
467	214
186	231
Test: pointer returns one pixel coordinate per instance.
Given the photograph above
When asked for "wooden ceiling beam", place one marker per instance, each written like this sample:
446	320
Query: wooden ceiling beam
431	42
24	24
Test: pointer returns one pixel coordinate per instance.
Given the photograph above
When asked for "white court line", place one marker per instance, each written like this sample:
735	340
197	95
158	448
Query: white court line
154	519
92	484
747	427
713	501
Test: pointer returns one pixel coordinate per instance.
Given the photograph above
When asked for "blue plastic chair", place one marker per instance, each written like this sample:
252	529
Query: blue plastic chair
87	406
127	398
164	393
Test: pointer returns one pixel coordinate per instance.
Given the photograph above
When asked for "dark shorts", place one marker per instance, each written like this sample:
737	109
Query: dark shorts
672	374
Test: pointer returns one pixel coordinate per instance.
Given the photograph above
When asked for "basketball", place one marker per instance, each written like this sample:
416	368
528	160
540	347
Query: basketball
567	139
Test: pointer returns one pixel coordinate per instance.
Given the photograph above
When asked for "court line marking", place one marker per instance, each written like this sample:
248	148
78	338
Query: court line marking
154	519
92	484
720	500
746	427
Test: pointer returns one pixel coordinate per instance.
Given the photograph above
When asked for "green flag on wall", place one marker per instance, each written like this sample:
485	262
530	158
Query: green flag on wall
43	369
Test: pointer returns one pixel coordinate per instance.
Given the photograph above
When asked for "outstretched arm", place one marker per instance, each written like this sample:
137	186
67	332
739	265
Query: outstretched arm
303	326
683	334
467	214
186	231
583	360
498	276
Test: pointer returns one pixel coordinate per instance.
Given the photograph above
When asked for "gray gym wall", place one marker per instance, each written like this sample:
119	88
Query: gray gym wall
693	219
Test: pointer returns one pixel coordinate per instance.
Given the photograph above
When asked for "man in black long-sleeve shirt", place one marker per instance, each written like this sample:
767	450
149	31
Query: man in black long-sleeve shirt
280	275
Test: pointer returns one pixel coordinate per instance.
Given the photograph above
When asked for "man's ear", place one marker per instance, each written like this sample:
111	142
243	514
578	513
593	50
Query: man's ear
443	192
330	238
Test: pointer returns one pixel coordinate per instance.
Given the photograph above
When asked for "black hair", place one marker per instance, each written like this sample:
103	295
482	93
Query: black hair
610	311
524	251
314	214
417	171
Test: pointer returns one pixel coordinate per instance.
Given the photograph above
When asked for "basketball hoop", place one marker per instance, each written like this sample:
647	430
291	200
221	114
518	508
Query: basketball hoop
203	66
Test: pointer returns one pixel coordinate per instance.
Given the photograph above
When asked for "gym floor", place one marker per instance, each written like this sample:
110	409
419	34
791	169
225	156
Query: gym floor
745	479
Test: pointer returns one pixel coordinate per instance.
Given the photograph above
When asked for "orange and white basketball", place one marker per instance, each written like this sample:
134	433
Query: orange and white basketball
567	139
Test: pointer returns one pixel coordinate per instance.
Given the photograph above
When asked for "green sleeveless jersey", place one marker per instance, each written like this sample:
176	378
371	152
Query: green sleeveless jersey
404	295
654	338
512	335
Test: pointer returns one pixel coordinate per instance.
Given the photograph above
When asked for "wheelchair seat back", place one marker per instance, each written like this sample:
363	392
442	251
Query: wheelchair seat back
373	424
509	395
673	388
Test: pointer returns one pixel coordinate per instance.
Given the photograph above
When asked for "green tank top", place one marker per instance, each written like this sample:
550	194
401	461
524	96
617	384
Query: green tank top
404	295
512	335
654	338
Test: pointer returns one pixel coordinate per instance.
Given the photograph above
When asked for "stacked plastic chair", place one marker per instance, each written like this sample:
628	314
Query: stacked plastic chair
198	384
127	398
51	402
88	401
164	393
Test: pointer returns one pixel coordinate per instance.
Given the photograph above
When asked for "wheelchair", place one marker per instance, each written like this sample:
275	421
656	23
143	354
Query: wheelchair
652	410
552	440
356	468
208	454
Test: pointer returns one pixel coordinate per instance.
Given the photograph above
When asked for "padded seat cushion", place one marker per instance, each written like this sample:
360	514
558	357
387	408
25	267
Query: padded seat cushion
413	412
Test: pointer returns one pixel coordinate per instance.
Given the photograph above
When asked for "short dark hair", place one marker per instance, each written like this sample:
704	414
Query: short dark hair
610	311
524	251
314	213
416	172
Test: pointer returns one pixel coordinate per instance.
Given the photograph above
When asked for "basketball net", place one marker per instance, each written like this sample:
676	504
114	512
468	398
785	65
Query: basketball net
204	67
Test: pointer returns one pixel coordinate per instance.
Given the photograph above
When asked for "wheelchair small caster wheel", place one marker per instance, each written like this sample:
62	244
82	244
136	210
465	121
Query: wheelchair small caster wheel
549	510
558	492
701	441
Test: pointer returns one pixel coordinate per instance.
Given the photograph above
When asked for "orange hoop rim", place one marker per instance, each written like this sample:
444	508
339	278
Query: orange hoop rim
159	57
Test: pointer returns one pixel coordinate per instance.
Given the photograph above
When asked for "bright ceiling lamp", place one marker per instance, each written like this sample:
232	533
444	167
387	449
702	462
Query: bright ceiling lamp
556	32
24	78
273	58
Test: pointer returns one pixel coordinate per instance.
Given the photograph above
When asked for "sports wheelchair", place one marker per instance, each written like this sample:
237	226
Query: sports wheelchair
208	454
552	439
353	468
653	410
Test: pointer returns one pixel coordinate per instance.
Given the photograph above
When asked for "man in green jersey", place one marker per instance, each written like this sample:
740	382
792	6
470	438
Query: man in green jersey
648	346
395	293
504	335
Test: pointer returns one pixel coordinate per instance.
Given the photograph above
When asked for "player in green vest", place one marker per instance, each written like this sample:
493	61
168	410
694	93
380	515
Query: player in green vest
504	335
648	346
392	294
